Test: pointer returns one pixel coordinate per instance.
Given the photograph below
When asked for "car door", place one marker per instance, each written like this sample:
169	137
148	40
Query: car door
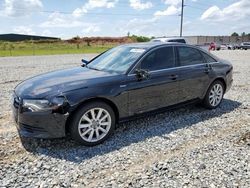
194	73
159	88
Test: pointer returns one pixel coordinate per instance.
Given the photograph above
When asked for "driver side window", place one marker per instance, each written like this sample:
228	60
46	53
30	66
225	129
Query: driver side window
161	58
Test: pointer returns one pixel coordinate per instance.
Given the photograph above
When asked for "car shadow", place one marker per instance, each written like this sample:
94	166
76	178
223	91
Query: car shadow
128	133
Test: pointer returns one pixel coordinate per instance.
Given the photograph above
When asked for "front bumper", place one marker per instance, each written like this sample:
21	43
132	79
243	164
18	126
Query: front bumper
39	124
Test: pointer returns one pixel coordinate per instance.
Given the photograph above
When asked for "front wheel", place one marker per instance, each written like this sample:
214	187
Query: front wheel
92	123
214	95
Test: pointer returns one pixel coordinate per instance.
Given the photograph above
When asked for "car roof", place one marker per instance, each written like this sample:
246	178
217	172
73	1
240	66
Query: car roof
149	45
168	38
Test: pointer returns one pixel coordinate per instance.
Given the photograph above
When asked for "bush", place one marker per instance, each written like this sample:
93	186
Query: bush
140	38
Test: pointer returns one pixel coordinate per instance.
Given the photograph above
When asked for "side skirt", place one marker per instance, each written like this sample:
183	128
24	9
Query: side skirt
160	110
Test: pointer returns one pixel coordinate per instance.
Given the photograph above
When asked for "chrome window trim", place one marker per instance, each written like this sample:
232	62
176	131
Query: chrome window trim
174	49
186	66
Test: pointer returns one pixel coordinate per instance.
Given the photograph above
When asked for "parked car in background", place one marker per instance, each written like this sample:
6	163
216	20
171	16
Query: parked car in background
167	39
237	46
245	45
224	46
214	46
231	46
129	80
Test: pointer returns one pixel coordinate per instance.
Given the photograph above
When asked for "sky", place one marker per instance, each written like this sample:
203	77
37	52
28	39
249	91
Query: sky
69	18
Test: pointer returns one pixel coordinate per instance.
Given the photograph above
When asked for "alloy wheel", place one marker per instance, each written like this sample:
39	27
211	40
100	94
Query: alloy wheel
216	94
94	124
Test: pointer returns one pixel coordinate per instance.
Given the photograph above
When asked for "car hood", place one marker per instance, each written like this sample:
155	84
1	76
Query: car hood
61	81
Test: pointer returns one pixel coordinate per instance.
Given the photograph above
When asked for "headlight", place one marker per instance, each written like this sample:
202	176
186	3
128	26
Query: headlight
43	105
36	105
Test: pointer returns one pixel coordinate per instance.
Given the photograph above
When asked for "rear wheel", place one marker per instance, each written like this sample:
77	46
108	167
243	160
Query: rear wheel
214	95
92	124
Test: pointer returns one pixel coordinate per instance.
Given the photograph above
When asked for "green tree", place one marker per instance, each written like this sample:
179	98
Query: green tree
235	34
140	38
76	38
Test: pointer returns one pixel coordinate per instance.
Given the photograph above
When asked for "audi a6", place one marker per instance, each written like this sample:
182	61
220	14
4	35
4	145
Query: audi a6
87	102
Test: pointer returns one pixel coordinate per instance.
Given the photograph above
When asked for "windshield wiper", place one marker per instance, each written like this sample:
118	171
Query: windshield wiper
94	68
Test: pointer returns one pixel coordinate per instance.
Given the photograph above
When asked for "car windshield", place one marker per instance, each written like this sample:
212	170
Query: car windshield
117	59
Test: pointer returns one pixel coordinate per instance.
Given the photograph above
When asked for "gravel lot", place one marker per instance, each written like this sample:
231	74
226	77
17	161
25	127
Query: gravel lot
187	147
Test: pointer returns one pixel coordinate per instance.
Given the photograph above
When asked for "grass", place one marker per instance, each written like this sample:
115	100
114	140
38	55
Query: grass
27	48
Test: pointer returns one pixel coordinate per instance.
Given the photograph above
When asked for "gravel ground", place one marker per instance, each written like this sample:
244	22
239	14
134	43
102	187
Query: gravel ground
187	147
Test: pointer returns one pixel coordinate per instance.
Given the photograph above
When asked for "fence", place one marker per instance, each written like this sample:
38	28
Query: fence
200	40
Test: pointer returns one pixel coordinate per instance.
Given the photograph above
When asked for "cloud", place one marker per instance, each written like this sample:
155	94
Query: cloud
46	32
212	12
147	27
138	26
59	20
139	5
235	11
92	4
174	7
90	28
17	8
24	30
172	2
141	22
171	10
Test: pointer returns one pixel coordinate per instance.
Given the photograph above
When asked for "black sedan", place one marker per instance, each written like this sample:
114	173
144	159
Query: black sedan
123	82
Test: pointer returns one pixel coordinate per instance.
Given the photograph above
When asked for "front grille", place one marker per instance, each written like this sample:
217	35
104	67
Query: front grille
32	129
16	101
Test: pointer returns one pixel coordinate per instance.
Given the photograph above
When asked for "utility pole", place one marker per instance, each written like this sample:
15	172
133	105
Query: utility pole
182	7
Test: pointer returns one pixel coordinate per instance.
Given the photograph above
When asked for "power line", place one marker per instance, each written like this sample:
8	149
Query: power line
98	13
92	13
203	4
194	7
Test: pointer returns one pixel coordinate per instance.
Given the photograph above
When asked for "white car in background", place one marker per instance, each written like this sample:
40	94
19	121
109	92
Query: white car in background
245	45
168	39
224	46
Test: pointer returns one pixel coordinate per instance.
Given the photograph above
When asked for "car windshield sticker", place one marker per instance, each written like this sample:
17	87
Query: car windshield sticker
137	50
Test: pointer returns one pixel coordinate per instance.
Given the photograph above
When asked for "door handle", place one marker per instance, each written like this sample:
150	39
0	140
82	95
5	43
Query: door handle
173	77
207	68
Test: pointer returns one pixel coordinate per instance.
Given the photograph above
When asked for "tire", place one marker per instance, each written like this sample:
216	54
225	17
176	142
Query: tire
214	97
90	131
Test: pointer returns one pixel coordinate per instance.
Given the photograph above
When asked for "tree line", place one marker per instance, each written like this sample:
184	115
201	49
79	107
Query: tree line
242	34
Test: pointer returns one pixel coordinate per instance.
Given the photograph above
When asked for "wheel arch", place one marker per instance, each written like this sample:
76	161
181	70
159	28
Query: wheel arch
222	80
216	79
95	99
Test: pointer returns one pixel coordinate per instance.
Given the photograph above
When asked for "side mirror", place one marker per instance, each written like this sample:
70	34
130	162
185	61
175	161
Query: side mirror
141	74
84	62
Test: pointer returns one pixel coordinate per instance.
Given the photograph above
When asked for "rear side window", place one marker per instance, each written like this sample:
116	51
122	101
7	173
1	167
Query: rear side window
208	58
189	56
178	40
161	58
